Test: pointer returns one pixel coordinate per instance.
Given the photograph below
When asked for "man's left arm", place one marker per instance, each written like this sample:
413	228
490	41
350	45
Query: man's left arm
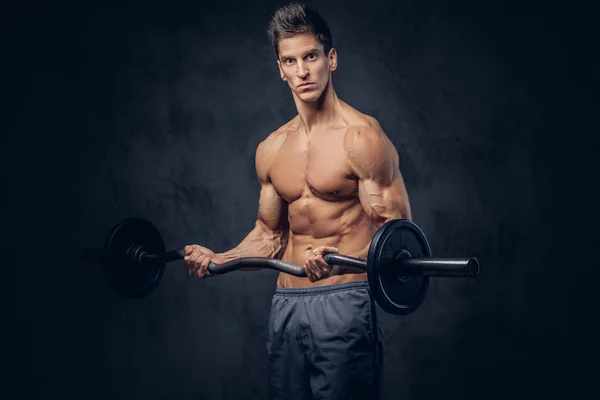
375	162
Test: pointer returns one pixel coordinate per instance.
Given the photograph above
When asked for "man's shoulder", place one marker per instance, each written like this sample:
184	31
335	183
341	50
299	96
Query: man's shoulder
274	140
365	138
267	149
362	127
361	124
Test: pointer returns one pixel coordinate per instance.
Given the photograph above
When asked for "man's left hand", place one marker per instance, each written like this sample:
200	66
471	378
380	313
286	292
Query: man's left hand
316	267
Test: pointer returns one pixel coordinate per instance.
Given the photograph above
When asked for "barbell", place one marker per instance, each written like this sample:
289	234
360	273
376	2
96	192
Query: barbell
399	263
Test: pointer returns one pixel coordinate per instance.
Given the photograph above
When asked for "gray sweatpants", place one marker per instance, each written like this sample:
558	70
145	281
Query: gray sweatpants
324	343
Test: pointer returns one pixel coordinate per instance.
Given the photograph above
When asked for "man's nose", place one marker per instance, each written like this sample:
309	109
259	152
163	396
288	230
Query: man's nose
301	71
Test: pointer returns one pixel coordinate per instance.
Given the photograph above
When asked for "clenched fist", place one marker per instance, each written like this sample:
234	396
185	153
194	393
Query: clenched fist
316	267
197	259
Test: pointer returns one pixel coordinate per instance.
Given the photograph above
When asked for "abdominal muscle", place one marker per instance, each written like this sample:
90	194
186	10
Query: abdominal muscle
314	223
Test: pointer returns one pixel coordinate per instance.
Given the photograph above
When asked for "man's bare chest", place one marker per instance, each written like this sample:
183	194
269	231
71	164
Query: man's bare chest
317	167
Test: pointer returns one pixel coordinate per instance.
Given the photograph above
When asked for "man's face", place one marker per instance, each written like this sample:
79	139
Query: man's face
304	65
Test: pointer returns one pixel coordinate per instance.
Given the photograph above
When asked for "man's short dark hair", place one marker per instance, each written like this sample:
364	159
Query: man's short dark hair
295	19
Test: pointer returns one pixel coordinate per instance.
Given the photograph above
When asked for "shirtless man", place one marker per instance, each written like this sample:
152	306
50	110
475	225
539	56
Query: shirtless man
329	178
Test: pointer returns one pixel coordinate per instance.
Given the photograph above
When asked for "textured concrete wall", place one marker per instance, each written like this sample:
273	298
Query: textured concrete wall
156	110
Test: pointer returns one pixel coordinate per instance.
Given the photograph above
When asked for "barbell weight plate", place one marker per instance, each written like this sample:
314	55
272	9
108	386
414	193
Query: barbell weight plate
394	293
124	276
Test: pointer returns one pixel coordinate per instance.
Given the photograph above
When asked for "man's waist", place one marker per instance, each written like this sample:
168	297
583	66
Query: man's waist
361	283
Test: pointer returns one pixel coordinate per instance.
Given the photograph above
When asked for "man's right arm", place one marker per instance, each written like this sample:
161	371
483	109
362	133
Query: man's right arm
269	236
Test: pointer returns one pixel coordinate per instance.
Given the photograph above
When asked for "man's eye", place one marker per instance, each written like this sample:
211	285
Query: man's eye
289	61
312	56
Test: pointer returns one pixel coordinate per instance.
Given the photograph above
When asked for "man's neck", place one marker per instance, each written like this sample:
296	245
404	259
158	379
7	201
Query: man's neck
320	113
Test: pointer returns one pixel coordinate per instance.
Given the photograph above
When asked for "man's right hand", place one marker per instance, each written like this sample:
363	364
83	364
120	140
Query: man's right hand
197	259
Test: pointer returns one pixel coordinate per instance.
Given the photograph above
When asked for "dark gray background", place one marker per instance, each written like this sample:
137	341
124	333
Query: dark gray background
154	110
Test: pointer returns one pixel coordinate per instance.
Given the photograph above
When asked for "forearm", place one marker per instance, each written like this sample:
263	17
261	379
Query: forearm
260	242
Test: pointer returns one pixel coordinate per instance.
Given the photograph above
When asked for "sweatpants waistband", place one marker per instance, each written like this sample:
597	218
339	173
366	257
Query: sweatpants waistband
291	292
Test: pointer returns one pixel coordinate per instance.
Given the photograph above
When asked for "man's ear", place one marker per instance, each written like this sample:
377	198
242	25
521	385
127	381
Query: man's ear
281	74
333	61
